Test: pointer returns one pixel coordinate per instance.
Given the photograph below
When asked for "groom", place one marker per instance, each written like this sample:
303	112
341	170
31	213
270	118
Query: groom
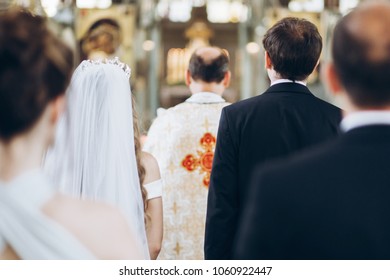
285	119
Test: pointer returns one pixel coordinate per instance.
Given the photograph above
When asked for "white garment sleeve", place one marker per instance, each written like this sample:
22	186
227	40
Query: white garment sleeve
154	189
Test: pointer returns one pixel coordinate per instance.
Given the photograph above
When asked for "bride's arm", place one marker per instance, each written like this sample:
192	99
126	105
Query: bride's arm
154	212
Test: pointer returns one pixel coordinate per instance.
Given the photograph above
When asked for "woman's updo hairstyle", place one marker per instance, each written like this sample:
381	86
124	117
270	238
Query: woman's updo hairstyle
35	68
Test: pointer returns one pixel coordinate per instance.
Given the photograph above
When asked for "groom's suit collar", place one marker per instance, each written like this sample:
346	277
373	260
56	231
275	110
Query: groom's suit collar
288	87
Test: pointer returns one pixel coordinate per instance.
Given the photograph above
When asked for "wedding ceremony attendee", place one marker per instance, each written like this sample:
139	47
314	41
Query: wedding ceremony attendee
332	201
36	222
94	155
150	179
182	139
285	119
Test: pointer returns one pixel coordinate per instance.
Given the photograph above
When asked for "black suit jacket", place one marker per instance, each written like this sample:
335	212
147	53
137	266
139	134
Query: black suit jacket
283	120
329	203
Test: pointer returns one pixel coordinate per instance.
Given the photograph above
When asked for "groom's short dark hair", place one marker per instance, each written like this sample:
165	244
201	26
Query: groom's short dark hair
294	46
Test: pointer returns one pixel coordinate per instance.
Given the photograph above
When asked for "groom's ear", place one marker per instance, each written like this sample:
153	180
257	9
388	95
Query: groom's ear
267	61
58	107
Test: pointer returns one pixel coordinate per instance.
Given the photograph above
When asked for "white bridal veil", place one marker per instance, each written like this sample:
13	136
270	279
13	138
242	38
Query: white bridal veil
93	156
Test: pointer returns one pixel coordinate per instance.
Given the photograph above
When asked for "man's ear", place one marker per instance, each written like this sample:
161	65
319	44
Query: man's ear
332	79
267	61
226	79
318	63
58	107
188	78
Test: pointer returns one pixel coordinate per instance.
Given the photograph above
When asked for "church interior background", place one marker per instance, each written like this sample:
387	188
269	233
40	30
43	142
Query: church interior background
156	38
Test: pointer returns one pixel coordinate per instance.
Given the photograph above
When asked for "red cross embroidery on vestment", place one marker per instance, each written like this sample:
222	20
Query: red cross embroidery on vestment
204	160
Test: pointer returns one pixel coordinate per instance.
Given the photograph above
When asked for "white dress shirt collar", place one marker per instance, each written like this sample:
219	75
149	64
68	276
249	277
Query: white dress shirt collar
205	97
279	81
364	118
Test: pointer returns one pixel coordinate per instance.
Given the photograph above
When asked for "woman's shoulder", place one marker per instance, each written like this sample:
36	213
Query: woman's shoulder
149	159
99	226
152	169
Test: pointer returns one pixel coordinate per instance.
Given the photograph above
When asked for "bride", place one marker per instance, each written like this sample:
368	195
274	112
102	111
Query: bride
93	156
35	221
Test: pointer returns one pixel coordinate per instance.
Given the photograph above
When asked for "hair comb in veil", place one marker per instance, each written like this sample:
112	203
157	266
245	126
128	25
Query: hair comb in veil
115	61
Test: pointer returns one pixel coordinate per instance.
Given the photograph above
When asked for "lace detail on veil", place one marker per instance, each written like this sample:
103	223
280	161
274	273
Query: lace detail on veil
115	61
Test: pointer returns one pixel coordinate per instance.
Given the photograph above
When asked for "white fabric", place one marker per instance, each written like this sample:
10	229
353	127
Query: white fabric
23	226
205	98
154	189
279	81
363	118
94	156
182	139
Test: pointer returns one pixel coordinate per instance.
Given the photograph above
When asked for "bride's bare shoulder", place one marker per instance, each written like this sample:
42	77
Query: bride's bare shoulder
100	227
151	167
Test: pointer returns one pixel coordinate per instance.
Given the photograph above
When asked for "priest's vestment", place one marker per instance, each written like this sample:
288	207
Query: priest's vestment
182	139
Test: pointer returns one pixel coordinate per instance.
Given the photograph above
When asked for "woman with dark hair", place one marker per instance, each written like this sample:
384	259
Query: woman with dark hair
35	221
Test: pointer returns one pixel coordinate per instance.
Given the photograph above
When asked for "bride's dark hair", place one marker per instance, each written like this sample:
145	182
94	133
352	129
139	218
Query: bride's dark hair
35	68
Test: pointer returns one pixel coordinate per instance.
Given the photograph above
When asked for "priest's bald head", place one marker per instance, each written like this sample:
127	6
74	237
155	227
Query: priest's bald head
361	57
208	71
